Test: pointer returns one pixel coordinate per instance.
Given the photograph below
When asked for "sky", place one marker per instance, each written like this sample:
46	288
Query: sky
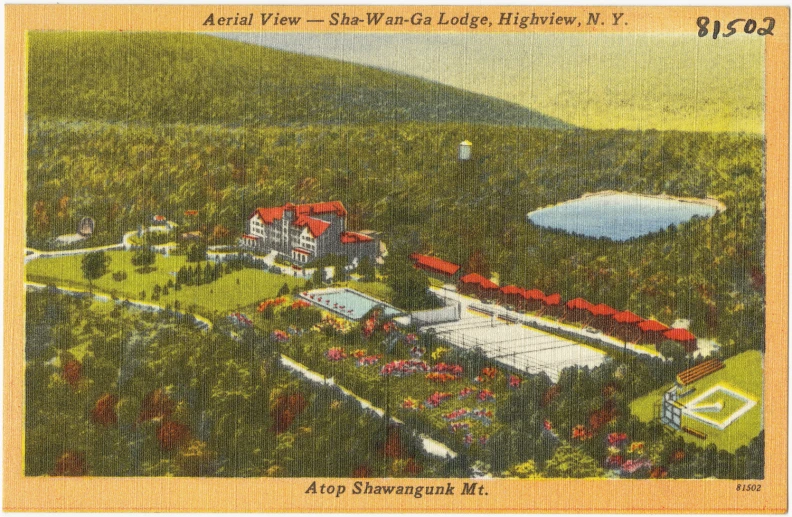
597	81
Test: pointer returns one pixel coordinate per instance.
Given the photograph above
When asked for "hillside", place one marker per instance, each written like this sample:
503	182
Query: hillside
193	78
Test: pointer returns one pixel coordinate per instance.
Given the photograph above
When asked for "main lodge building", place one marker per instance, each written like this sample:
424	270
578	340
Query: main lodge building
302	233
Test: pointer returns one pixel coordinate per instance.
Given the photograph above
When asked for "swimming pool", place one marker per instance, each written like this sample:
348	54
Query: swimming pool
347	302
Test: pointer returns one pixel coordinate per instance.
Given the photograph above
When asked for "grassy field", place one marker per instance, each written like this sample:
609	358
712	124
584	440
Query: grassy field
743	372
232	291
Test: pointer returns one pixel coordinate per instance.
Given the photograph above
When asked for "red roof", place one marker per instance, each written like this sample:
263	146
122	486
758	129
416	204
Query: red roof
302	214
475	278
159	218
579	303
603	310
536	294
354	237
652	326
315	226
300	250
318	208
512	289
434	264
251	237
552	299
627	317
268	215
679	335
191	212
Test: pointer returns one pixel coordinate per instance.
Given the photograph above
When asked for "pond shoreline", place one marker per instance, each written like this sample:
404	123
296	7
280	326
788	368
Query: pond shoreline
708	201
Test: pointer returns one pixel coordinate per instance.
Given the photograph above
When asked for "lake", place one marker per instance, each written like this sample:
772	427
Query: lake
619	216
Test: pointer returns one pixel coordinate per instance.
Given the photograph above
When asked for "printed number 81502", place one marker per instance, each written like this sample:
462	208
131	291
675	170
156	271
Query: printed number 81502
748	27
749	488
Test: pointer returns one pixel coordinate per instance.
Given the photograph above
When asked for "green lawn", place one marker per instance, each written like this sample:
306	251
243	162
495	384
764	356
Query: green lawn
232	291
744	373
378	290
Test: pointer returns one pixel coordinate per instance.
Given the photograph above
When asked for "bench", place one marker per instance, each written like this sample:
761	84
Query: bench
697	434
691	375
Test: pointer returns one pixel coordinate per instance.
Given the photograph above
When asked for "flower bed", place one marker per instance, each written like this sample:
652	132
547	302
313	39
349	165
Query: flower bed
435	399
368	360
279	336
335	354
403	368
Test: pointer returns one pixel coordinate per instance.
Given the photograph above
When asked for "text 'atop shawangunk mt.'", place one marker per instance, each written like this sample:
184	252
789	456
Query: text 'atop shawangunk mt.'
417	491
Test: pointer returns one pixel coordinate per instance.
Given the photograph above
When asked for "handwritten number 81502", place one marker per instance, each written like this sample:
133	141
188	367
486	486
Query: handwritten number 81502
747	26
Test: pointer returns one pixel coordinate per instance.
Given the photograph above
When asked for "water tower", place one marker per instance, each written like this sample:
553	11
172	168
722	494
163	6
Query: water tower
465	150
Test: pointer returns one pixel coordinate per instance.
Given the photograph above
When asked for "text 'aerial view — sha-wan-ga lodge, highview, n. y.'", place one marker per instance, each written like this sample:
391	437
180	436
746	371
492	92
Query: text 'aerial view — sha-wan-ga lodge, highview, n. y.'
399	310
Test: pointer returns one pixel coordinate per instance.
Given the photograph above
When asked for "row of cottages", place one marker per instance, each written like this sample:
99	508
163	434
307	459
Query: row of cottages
626	325
302	233
623	325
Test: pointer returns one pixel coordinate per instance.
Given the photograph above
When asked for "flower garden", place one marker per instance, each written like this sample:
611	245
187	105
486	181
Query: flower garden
436	389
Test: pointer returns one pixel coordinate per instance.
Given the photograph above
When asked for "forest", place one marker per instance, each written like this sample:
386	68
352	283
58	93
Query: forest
113	391
405	182
123	127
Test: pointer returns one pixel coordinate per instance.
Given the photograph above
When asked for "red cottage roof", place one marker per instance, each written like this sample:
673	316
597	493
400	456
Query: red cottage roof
552	299
250	237
315	226
191	212
434	264
159	217
579	303
679	335
512	289
627	317
652	326
354	237
603	310
475	278
535	294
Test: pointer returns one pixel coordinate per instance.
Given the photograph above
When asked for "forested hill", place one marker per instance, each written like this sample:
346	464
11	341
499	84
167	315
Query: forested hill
193	78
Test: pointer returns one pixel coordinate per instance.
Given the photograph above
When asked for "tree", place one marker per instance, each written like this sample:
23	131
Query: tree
94	265
366	269
569	462
284	290
525	470
196	252
477	263
144	257
672	350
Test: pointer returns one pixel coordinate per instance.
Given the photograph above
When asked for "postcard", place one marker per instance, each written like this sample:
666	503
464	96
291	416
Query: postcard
291	258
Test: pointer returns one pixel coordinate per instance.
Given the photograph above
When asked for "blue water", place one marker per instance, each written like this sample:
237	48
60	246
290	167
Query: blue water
348	303
618	216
